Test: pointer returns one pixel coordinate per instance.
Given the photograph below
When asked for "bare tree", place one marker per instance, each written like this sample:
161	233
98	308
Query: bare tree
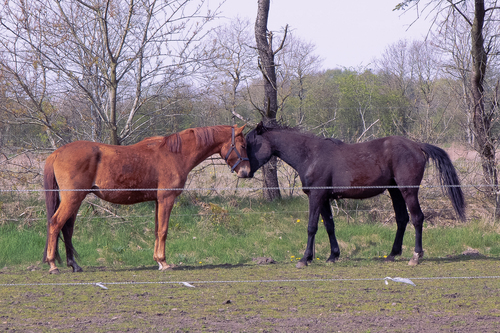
453	41
481	117
232	64
114	55
431	116
482	19
267	66
297	63
398	73
27	94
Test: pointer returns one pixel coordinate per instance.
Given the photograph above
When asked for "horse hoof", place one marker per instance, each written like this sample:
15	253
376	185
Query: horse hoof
414	260
54	271
167	268
301	264
332	260
77	269
164	266
390	259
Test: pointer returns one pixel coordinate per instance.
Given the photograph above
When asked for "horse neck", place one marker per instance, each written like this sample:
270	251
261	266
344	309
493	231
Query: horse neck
289	147
196	153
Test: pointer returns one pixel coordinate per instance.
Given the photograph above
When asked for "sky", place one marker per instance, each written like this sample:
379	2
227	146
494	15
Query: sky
346	33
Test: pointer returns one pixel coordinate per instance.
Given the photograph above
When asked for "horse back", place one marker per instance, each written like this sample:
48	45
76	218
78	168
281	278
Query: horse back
402	159
96	166
376	163
394	153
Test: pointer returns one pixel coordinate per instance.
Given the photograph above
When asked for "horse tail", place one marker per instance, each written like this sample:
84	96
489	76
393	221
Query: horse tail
52	201
447	177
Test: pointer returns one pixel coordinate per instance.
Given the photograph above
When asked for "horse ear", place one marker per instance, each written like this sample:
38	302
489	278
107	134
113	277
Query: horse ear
238	131
260	128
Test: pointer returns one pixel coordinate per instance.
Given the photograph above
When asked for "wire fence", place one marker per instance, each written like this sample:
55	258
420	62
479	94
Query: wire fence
381	207
211	178
310	188
192	284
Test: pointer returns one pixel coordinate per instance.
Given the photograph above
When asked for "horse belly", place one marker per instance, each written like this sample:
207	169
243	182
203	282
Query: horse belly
125	188
363	186
125	197
360	193
122	188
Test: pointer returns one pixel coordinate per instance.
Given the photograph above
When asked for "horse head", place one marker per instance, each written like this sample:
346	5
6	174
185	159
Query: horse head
235	153
258	148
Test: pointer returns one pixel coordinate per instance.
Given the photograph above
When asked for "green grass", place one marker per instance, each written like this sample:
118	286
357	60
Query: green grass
221	230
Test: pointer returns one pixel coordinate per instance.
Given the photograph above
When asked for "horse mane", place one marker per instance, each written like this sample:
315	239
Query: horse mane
173	142
204	136
297	129
279	126
335	141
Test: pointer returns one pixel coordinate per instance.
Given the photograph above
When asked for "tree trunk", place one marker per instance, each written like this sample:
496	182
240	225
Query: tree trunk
112	91
481	119
267	66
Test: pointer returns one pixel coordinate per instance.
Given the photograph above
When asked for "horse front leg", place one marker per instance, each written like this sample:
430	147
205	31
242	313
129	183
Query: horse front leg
312	228
326	213
163	208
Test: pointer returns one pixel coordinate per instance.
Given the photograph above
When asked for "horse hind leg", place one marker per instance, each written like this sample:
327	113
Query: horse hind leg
402	219
417	219
67	231
65	213
52	245
326	213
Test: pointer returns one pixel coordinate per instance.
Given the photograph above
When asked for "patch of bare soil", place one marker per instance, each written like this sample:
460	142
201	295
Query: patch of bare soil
320	298
181	322
264	260
232	317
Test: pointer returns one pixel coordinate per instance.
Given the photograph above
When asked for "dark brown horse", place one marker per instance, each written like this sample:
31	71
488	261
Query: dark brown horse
331	169
148	169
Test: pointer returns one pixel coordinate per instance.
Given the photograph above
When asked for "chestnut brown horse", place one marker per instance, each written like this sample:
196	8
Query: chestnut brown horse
330	169
145	171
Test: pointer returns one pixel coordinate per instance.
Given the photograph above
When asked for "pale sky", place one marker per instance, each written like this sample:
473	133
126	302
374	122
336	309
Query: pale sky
347	33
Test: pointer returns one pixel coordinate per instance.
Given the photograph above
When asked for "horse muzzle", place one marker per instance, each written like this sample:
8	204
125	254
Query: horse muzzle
244	171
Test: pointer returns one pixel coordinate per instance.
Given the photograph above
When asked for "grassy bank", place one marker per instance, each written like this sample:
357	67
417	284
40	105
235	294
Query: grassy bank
222	230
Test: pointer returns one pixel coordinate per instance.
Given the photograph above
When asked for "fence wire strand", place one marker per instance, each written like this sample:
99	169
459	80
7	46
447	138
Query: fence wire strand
102	284
249	189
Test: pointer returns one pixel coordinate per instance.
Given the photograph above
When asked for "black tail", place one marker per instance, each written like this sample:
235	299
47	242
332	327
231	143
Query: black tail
51	202
447	177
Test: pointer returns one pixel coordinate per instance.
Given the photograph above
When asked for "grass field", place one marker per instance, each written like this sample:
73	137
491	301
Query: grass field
231	230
